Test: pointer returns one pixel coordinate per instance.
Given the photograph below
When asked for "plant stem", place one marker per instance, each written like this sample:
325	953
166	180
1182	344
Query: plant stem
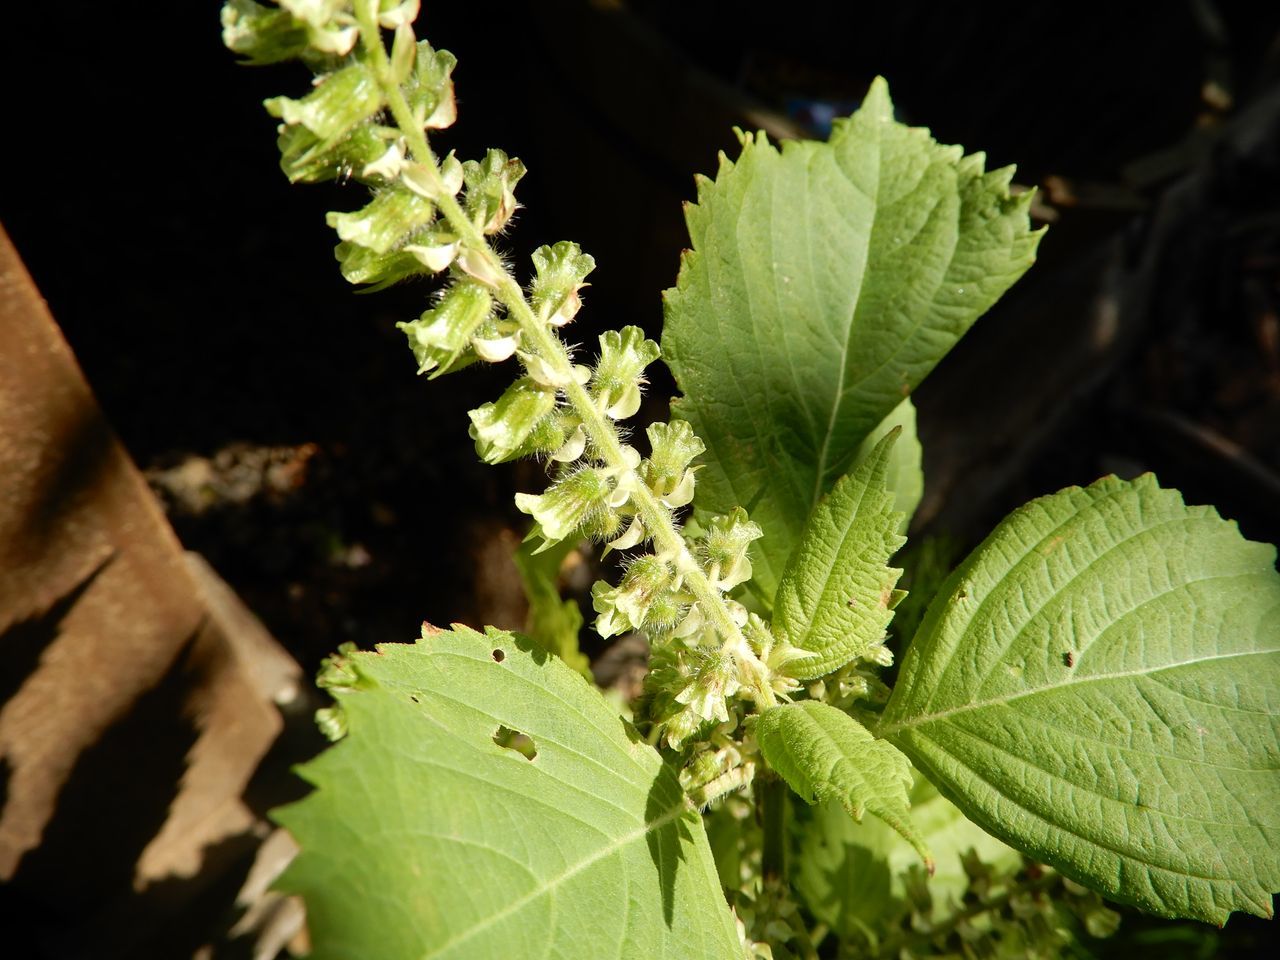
657	518
772	803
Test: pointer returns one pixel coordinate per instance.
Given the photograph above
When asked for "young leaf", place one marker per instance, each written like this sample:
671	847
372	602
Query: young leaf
851	875
1099	685
835	598
824	754
826	280
487	802
904	475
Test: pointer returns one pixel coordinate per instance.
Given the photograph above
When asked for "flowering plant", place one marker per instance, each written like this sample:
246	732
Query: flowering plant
1088	708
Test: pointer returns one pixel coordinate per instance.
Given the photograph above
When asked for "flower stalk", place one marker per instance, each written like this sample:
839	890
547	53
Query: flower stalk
481	262
368	118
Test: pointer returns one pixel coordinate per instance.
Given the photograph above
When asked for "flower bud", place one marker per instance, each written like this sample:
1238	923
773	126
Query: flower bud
611	621
387	166
705	695
380	270
576	498
261	34
330	28
393	14
672	448
305	159
879	654
634	534
615	383
317	13
441	335
704	768
544	372
666	610
429	89
494	347
560	271
336	671
777	657
490	198
502	429
478	264
691	623
680	727
646	577
434	256
430	184
602	525
340	101
385	220
572	447
724	548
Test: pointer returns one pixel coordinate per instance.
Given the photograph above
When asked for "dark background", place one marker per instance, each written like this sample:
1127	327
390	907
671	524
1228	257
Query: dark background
340	495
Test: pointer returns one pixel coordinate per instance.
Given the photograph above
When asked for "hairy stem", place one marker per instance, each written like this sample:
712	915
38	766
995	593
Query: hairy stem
657	519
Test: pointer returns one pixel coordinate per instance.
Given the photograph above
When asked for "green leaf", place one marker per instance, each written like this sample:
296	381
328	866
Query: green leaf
851	875
824	754
904	475
553	623
836	596
431	835
1099	685
825	281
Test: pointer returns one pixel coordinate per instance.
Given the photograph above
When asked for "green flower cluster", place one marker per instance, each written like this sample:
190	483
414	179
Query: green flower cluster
366	119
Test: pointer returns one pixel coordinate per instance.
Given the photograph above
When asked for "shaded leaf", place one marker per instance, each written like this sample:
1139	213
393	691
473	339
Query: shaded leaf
553	622
850	875
904	475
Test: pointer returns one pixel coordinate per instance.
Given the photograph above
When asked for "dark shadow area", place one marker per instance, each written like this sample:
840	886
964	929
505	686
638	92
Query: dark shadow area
182	920
75	891
274	783
25	641
526	645
666	842
6	771
84	441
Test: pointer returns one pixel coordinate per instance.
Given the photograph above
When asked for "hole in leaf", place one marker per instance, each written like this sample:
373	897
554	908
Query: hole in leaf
413	698
499	656
510	739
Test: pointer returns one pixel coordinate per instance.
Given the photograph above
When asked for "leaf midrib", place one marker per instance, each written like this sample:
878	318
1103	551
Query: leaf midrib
563	877
837	397
923	719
